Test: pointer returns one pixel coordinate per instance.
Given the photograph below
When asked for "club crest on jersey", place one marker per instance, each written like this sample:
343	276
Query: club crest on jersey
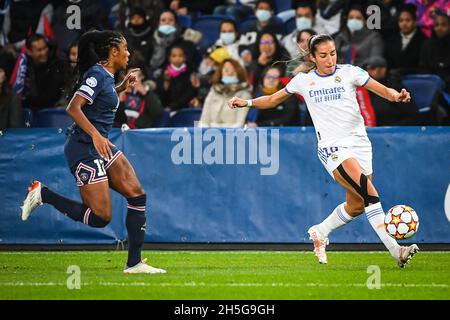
84	177
334	156
312	83
91	82
337	79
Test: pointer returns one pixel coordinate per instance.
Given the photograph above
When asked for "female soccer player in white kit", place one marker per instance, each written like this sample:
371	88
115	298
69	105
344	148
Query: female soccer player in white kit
329	90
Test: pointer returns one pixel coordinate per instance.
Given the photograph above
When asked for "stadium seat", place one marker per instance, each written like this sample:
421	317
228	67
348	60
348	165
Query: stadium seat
446	97
184	21
185	117
52	118
246	23
282	5
209	27
27	116
108	4
424	89
163	121
252	115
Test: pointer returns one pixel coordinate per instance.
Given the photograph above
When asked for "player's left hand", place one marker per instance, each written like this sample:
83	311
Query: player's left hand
403	96
129	80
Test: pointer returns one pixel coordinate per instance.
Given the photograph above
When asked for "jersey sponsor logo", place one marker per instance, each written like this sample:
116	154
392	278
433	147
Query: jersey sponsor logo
86	89
91	82
326	94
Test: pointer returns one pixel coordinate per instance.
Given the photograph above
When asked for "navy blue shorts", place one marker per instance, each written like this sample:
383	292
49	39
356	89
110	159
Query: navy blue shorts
86	164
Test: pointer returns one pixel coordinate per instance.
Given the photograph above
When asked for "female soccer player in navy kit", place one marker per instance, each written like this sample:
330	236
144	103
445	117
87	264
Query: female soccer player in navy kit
343	146
95	162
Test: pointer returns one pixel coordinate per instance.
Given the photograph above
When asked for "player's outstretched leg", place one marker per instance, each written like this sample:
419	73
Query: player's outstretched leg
33	199
319	233
39	194
402	254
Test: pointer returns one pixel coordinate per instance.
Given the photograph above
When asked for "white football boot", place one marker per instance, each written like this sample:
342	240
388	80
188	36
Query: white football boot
406	254
33	199
143	267
320	242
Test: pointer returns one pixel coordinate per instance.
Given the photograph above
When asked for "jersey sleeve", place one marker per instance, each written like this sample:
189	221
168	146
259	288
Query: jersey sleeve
294	86
360	77
90	86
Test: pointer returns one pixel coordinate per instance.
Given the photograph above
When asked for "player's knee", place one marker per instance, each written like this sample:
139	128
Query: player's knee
355	208
105	214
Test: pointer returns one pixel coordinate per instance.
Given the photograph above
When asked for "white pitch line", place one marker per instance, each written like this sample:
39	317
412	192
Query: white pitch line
238	284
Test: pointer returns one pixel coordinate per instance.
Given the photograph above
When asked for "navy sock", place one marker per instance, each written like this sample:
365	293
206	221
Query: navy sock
75	210
135	223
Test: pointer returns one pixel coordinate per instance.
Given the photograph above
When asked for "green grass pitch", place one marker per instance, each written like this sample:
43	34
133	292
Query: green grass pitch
224	275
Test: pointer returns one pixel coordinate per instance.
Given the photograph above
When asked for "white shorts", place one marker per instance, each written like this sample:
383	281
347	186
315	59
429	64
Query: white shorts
357	147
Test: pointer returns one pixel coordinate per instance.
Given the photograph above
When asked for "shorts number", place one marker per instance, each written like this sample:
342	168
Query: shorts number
99	164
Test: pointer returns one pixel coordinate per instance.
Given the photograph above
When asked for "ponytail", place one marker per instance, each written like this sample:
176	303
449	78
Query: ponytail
302	63
94	47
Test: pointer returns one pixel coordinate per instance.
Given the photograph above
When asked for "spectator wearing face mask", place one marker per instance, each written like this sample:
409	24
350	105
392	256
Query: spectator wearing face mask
138	33
228	81
265	20
174	85
355	43
168	35
229	40
328	16
305	13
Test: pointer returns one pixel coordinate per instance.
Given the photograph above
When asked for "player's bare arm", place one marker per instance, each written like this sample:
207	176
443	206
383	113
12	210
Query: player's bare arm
101	144
264	102
388	93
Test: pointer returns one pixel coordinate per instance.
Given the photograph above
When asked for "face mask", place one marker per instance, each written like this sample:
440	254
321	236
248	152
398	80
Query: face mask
355	25
263	15
176	71
227	37
230	79
303	23
166	29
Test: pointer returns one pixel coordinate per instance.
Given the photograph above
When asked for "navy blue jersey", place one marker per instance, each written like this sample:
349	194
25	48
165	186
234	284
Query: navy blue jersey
98	87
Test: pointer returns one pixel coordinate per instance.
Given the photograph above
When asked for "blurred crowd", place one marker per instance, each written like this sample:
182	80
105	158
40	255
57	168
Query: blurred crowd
197	54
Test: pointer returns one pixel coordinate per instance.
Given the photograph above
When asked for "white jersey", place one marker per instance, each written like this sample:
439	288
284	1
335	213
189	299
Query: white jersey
331	101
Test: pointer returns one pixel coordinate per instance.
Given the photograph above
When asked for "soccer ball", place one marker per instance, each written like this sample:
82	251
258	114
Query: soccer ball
401	222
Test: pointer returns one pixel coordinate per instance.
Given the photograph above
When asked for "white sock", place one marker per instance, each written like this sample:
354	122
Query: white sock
336	219
375	215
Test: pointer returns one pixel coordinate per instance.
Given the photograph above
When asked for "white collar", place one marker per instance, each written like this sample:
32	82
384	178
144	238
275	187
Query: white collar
106	70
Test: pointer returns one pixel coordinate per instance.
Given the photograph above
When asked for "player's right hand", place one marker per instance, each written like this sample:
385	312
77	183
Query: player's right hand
236	102
103	146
